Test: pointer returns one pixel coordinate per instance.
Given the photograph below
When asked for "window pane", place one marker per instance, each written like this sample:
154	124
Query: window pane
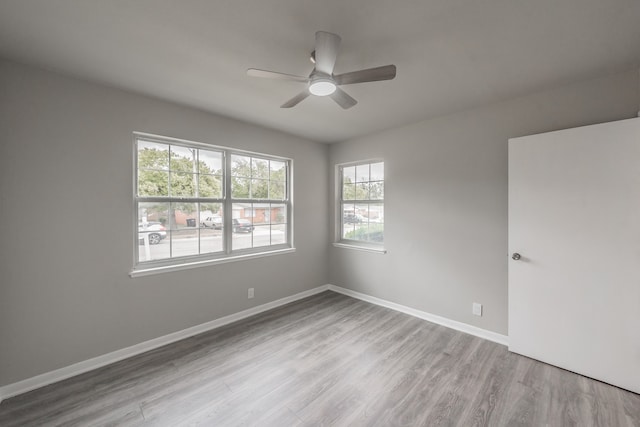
278	213
152	155
184	242
349	175
210	162
367	224
362	173
362	213
153	183
362	191
183	184
278	170
183	159
277	190
376	213
262	236
259	188
210	186
260	168
278	234
349	192
153	212
261	213
211	240
363	221
211	215
183	215
358	232
240	188
377	172
240	166
242	226
348	214
152	233
241	240
375	233
348	230
155	250
376	190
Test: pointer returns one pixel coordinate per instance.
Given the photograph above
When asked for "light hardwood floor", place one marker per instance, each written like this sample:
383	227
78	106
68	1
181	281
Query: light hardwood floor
327	360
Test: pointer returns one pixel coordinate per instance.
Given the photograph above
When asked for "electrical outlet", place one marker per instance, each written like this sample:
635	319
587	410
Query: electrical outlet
250	293
477	309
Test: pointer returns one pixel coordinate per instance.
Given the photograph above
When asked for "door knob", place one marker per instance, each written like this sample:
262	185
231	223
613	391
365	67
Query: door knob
515	256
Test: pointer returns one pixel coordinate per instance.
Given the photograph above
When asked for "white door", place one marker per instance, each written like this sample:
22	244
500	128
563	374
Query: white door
574	219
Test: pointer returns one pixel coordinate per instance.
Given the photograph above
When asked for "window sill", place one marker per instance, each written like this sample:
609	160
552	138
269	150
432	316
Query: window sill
380	251
139	272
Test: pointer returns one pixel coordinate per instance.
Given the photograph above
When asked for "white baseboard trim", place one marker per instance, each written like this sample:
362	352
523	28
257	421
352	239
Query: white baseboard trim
51	377
453	324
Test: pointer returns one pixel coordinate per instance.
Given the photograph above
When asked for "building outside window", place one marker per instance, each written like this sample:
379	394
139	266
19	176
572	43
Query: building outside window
362	203
197	202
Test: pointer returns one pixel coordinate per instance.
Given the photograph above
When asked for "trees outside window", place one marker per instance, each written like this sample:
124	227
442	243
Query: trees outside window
187	195
362	203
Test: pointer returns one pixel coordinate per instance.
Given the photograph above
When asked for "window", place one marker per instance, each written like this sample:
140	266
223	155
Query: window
196	202
362	204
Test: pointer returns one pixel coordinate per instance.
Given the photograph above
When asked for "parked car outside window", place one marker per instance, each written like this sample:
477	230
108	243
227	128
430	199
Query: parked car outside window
214	222
241	225
155	230
353	218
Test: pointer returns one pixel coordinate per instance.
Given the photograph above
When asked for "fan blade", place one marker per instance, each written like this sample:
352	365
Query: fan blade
253	72
326	51
343	99
386	72
296	99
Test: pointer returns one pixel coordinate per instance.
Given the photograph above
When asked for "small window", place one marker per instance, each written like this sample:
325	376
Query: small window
196	202
362	203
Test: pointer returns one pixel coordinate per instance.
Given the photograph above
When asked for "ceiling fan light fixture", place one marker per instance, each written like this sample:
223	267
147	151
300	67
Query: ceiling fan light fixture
322	81
322	87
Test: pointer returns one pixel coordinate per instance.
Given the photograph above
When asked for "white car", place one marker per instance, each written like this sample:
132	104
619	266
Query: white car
214	222
155	230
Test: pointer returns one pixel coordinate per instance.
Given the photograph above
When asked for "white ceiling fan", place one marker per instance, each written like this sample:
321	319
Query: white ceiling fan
322	81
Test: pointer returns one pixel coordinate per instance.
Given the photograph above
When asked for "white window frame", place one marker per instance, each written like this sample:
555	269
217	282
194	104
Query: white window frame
228	253
340	202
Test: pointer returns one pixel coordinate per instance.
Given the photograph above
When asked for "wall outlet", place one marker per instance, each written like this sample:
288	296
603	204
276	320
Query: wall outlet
477	309
250	293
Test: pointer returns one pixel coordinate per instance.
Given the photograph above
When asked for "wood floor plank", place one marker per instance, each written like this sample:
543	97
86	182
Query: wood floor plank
327	360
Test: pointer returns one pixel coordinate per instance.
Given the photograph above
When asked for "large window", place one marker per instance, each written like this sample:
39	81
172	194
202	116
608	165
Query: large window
196	202
362	204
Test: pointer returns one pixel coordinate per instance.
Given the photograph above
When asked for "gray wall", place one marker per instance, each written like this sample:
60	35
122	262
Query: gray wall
446	199
66	223
66	211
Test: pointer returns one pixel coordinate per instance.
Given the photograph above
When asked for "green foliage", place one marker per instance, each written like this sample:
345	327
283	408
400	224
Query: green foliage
153	183
240	188
240	166
254	178
376	189
277	190
210	185
155	172
151	158
362	190
374	233
259	189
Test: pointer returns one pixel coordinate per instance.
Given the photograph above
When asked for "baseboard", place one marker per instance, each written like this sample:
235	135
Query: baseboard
51	377
453	324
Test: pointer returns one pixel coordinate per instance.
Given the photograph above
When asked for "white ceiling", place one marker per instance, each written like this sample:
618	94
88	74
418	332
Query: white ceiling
451	54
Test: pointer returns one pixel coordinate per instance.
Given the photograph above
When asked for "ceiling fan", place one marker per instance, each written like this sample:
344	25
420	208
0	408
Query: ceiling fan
322	81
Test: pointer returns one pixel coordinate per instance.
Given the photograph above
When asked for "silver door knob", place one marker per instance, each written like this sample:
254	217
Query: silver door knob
515	256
